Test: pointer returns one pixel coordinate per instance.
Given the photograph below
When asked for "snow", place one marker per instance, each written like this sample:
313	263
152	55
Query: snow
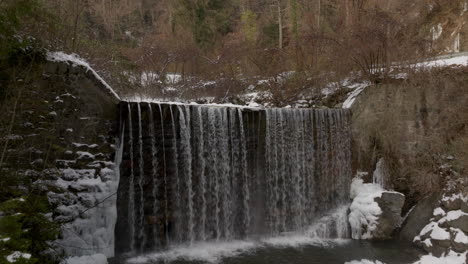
140	99
427	242
428	228
74	59
84	154
460	236
453	215
93	259
79	145
450	258
460	60
364	261
5	239
439	211
354	94
454	197
364	211
439	233
15	256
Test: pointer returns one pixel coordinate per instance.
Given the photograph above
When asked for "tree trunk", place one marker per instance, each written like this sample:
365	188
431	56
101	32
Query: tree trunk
280	25
319	13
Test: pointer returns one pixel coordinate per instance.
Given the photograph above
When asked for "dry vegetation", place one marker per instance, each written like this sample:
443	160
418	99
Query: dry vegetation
237	39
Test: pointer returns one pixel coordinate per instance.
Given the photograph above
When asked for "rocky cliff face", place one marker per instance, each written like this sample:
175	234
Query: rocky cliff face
418	125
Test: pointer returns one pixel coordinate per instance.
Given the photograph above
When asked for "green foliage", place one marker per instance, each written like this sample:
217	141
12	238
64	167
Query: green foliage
16	50
26	228
12	14
249	25
207	20
295	18
271	34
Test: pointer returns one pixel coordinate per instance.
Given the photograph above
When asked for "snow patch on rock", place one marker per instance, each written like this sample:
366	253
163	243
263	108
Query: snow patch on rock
15	256
75	60
450	258
358	89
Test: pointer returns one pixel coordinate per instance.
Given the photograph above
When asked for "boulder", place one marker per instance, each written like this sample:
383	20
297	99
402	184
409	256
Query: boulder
435	249
418	217
461	222
452	204
464	207
391	204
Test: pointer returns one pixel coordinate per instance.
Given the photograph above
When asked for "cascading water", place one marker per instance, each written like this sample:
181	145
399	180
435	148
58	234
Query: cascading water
196	173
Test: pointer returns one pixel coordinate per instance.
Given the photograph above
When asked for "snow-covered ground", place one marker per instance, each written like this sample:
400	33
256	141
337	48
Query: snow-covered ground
450	258
443	62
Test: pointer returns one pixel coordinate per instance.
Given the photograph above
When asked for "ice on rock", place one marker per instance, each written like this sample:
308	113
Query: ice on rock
91	229
364	211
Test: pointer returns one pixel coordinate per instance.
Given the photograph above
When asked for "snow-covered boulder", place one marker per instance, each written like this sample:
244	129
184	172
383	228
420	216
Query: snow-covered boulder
448	228
374	212
449	258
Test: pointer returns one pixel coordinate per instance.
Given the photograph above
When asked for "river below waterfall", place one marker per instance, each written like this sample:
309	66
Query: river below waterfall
287	250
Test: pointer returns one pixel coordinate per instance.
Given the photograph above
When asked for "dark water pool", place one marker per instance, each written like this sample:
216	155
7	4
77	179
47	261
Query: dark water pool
389	252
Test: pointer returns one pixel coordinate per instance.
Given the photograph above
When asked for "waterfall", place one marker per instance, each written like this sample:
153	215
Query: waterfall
131	187
200	173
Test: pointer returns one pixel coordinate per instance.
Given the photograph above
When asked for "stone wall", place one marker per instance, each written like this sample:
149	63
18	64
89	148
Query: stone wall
63	139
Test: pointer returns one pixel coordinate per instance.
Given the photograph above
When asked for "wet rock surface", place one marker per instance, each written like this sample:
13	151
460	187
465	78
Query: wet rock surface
391	204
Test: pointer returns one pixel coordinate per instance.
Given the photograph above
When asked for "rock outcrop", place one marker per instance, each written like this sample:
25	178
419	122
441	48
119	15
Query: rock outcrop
374	212
448	227
391	204
418	217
